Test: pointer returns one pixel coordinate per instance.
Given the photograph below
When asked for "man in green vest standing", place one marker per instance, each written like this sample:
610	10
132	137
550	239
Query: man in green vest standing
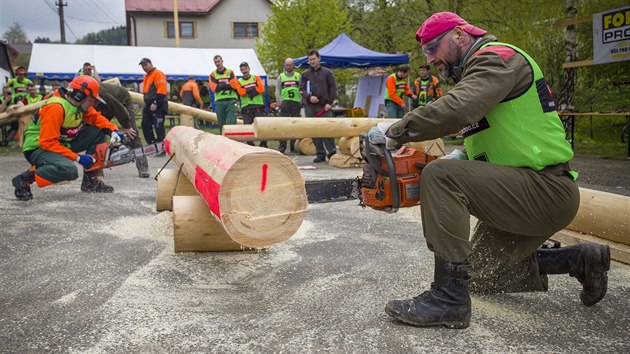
251	89
19	85
223	83
426	87
514	177
396	89
288	96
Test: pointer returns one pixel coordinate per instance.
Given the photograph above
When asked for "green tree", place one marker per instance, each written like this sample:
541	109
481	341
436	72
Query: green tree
295	26
15	34
116	35
42	40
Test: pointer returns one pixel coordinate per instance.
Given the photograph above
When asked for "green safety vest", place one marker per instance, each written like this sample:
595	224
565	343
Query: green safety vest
525	131
224	78
424	92
245	100
290	90
35	99
400	88
72	122
19	88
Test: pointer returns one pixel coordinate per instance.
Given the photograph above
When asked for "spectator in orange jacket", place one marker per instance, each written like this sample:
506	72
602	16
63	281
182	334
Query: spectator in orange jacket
397	88
189	93
155	102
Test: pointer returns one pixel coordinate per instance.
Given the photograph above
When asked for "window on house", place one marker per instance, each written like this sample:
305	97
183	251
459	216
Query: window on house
245	29
186	29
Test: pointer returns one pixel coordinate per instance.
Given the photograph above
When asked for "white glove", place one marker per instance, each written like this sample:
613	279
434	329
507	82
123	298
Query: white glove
115	138
377	136
455	155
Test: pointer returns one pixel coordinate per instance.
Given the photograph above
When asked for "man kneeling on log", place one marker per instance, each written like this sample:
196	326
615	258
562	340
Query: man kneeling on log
65	125
514	177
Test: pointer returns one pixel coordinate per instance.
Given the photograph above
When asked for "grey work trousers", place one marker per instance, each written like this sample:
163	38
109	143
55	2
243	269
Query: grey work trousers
323	146
518	209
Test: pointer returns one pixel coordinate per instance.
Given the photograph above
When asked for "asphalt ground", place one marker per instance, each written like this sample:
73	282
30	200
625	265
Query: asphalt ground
97	273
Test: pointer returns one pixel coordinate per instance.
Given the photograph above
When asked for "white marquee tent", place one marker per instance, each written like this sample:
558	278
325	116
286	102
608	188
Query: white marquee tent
63	61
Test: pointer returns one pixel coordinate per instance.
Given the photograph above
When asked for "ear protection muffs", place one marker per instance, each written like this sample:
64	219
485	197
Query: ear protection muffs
79	95
457	36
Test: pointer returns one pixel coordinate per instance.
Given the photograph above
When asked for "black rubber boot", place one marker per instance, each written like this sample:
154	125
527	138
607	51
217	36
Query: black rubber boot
587	262
93	183
282	146
447	303
143	167
22	184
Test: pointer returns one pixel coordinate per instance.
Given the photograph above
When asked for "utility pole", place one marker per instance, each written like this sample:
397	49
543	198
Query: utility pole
62	25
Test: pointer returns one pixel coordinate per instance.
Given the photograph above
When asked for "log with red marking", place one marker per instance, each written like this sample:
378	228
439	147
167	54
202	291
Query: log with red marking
257	194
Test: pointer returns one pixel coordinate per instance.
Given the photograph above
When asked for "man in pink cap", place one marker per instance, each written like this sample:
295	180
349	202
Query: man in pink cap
514	177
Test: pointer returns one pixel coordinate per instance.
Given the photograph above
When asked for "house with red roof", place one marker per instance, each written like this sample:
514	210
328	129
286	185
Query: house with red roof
202	23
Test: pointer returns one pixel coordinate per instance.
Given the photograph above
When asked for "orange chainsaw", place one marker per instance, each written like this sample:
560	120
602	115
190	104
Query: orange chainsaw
390	180
110	155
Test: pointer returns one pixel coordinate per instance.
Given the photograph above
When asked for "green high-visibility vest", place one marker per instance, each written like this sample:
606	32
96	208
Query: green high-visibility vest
19	88
290	90
35	99
525	131
224	78
245	100
72	122
400	87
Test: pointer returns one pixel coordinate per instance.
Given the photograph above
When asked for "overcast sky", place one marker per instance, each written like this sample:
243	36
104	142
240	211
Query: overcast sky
39	18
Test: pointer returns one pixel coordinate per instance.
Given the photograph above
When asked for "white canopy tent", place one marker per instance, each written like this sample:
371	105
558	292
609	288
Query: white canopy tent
63	61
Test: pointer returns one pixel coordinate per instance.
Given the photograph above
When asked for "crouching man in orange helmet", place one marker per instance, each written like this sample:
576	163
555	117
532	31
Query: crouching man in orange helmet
65	125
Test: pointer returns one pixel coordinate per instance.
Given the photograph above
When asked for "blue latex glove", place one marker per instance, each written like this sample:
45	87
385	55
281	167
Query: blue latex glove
116	137
85	160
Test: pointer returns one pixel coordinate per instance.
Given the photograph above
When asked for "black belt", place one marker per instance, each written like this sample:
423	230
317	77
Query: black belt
561	169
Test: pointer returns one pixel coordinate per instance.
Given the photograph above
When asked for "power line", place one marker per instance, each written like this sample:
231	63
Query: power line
90	20
100	9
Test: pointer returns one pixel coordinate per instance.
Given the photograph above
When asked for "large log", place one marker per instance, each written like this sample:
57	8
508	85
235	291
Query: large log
14	112
305	146
298	128
256	194
604	215
178	108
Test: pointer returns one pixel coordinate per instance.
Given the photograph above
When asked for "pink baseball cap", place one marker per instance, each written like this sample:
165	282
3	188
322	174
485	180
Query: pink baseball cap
441	22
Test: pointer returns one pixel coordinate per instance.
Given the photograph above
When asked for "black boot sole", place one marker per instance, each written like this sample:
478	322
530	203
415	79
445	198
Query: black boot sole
448	324
606	265
23	196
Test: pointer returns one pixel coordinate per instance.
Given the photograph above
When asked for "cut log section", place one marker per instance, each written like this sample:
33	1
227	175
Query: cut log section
345	161
256	194
305	147
433	147
171	183
345	145
604	215
298	128
196	230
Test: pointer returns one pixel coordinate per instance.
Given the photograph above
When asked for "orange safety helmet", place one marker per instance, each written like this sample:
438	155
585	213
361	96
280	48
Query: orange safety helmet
84	86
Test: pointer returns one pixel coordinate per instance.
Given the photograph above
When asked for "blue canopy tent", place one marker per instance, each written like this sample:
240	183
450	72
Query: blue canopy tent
343	52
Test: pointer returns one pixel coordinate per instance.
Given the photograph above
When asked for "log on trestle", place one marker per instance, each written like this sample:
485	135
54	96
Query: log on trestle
257	195
298	128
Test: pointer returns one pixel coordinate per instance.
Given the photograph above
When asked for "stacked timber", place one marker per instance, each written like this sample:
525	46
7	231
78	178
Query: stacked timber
255	195
305	146
348	155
